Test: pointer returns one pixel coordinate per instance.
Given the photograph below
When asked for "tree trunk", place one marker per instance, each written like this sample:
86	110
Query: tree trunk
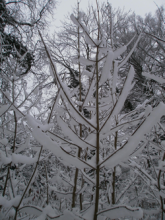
97	140
75	183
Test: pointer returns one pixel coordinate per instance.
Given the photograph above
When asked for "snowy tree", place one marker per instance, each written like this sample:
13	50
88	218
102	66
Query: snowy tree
80	142
106	120
65	47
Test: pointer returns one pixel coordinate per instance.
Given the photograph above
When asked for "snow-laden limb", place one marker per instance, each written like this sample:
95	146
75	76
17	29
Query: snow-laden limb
126	89
156	78
132	39
106	74
88	179
61	141
32	210
125	151
140	171
119	51
7	94
73	109
120	102
91	138
44	140
17	111
51	72
73	136
130	53
37	211
75	21
139	150
24	89
85	62
78	162
82	190
88	39
122	211
122	126
115	75
113	130
54	106
104	107
77	115
90	92
125	189
34	123
65	89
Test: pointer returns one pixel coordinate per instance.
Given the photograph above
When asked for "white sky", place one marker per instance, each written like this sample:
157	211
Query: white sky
140	7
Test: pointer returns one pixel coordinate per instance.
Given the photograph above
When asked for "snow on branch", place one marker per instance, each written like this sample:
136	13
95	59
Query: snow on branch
125	151
47	212
72	135
156	78
123	211
89	40
130	53
45	140
120	102
64	91
119	51
106	74
63	142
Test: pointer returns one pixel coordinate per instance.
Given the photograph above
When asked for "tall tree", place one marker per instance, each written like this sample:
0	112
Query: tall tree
106	121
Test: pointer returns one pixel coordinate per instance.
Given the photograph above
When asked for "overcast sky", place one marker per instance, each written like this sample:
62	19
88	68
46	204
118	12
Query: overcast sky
140	7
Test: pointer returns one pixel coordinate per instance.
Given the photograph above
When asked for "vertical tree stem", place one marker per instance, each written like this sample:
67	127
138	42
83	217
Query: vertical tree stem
97	141
47	185
4	190
114	173
159	187
97	122
79	150
75	183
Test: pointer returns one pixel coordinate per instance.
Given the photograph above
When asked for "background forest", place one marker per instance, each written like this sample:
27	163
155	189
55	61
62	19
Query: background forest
82	125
